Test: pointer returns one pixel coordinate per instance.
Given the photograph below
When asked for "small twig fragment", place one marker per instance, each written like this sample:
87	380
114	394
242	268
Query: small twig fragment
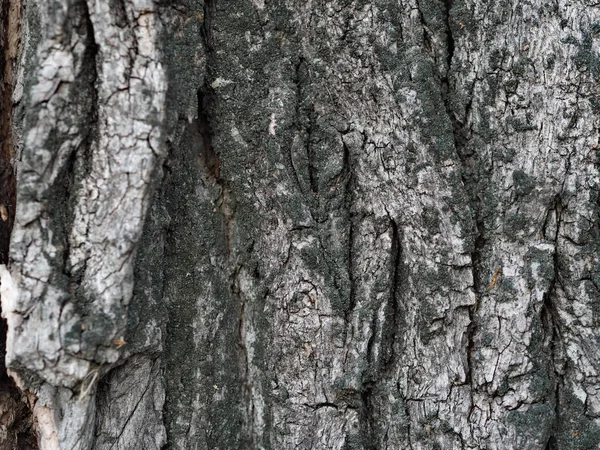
119	343
90	379
495	278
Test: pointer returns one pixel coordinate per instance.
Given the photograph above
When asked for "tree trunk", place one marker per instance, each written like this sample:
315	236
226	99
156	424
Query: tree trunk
300	225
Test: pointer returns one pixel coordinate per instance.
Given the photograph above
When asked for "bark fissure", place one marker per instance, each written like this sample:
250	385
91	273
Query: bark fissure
135	408
226	206
550	323
313	174
367	416
298	91
382	369
409	427
244	357
476	262
9	40
210	8
79	165
449	35
426	38
348	205
208	157
16	408
470	183
352	291
322	405
393	314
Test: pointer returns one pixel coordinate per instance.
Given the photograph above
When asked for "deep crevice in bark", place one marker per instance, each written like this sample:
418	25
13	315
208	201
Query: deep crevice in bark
382	368
79	165
551	444
298	79
226	206
461	137
348	202
63	193
17	431
408	423
210	8
426	39
367	416
313	175
321	405
210	160
208	157
548	316
450	37
7	152
393	320
352	292
480	242
243	351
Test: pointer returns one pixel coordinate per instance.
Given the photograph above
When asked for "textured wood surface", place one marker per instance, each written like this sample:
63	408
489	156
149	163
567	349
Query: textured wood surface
309	225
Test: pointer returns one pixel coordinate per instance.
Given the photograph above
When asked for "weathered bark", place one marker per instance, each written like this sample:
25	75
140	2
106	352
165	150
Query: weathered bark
306	225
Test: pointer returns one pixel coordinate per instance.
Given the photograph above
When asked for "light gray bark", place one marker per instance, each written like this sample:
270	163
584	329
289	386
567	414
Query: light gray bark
308	225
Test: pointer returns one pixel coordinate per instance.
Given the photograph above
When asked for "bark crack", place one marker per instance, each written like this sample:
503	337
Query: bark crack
348	202
9	40
549	321
133	411
393	312
16	420
368	419
210	9
384	365
450	37
248	388
460	135
209	158
79	165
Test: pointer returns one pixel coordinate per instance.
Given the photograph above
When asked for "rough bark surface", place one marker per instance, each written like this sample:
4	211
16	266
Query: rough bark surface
16	422
308	225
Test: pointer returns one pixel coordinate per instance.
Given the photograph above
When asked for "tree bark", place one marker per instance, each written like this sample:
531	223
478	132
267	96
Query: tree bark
301	225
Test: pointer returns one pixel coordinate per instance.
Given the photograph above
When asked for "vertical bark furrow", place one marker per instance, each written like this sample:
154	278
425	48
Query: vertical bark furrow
392	324
10	36
16	415
209	10
91	141
516	160
207	398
